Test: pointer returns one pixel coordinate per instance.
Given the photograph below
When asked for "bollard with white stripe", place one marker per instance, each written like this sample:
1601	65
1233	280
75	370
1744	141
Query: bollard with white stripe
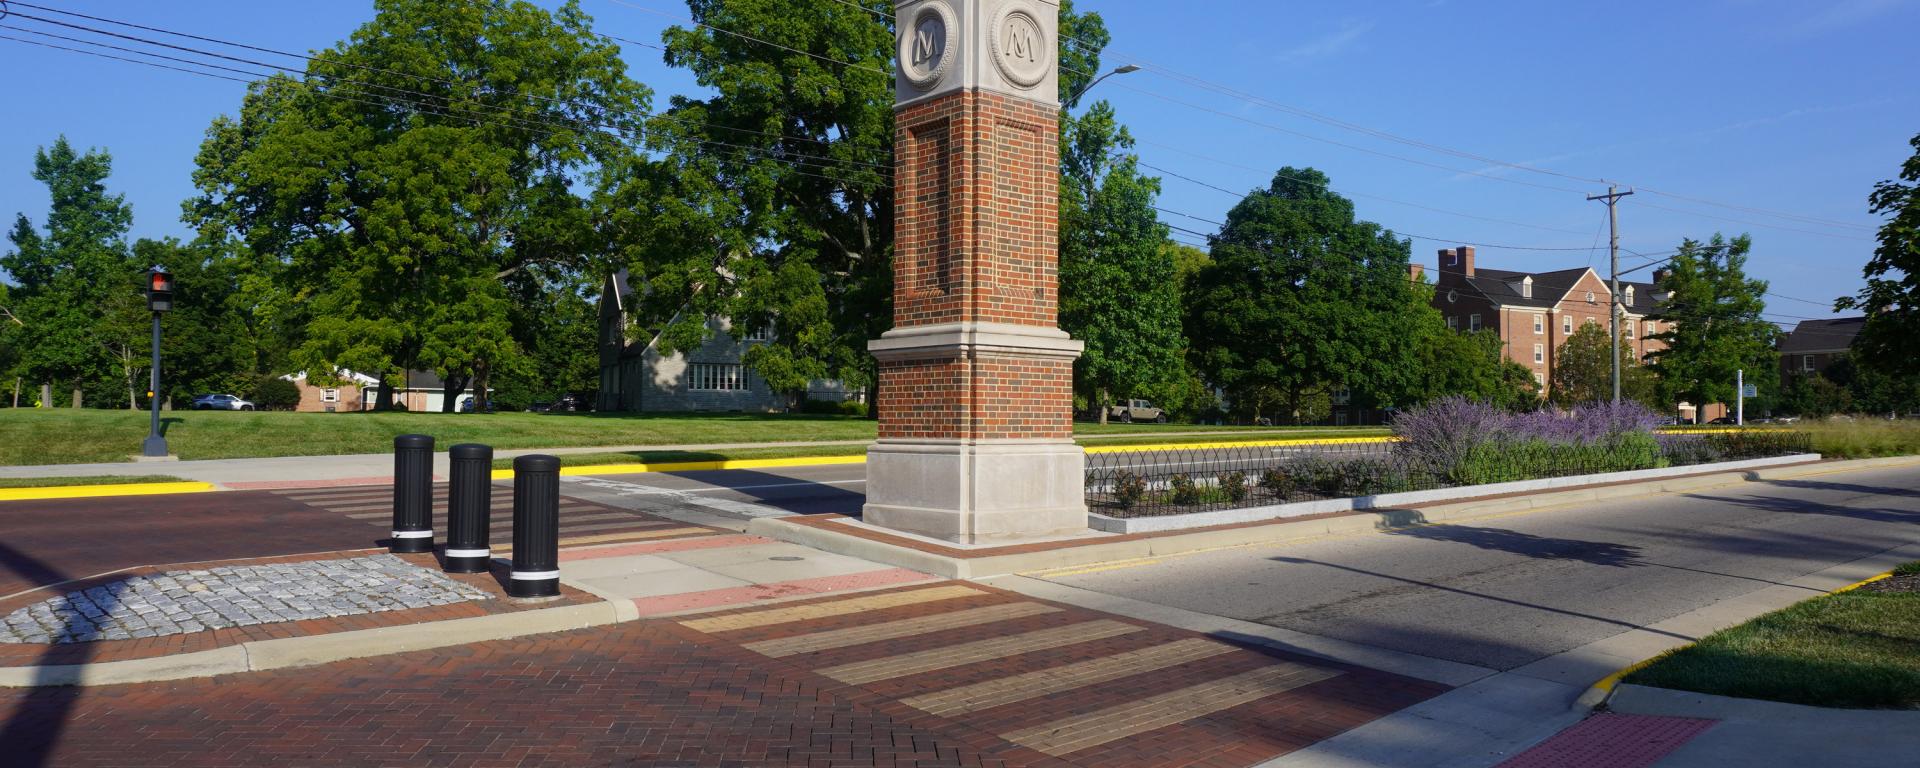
536	527
469	503
412	494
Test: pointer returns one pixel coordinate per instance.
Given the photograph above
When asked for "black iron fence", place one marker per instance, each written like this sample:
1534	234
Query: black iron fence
1166	482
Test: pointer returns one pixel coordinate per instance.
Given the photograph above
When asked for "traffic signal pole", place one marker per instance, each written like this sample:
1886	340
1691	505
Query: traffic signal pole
159	299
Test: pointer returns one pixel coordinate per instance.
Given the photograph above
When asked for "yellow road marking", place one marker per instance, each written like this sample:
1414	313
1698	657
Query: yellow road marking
90	491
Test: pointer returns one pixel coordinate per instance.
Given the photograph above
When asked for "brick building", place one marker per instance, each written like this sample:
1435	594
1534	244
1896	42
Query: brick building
1534	313
1816	344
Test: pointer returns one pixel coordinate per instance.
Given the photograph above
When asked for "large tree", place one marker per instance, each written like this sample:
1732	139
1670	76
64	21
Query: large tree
773	205
1583	372
1302	299
77	284
1119	292
1713	313
399	190
1890	342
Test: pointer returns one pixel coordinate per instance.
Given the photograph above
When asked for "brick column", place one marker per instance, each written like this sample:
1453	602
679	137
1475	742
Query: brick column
976	379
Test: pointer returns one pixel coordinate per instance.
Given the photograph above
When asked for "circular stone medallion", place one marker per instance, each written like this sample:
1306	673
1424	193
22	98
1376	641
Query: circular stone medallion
926	45
1020	47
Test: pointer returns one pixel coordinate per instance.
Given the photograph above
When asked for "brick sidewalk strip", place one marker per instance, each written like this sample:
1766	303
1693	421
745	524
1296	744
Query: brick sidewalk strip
1612	741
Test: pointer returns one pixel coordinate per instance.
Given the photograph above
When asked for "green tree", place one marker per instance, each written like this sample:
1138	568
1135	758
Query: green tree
1469	364
1890	342
1582	372
773	204
1119	291
10	344
399	190
1302	299
1814	396
76	283
1714	313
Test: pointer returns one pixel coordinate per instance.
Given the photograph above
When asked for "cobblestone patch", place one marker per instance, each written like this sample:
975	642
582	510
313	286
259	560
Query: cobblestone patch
178	602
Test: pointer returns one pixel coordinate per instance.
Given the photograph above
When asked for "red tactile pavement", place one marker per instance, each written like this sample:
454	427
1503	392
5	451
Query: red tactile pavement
654	693
1612	741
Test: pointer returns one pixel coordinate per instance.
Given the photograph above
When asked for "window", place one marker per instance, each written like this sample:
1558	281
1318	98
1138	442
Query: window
1806	363
1540	379
1473	322
1539	324
1566	324
1539	353
1629	329
1590	297
1629	295
1653	327
1526	288
1453	323
329	395
764	333
716	377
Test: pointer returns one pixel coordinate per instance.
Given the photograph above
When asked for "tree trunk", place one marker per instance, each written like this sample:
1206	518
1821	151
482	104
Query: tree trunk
450	389
16	391
383	397
46	394
76	396
481	402
1100	395
873	399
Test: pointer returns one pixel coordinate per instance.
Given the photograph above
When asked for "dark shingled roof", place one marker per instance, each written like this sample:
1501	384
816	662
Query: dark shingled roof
1549	288
1822	335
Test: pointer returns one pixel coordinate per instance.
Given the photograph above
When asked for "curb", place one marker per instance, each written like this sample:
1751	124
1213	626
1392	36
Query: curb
287	653
96	491
1121	548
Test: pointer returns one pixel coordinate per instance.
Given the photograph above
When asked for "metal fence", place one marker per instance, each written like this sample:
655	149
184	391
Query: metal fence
1165	482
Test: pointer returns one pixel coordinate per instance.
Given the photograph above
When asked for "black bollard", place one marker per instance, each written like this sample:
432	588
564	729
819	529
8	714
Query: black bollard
469	503
412	494
536	527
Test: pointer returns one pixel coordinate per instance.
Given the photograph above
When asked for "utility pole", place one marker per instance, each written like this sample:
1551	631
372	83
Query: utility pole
1611	198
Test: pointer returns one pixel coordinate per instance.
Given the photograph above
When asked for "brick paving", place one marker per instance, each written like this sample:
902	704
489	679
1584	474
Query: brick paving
581	522
1613	741
663	693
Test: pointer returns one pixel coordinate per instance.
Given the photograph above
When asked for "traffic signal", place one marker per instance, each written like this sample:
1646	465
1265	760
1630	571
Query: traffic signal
159	289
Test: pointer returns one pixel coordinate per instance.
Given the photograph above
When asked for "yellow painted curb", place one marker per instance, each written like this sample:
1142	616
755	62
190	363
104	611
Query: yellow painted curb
88	491
695	466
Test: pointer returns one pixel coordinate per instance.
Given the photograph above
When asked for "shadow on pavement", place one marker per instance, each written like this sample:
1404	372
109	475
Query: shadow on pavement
792	494
1826	485
1515	542
1804	506
41	713
1478	595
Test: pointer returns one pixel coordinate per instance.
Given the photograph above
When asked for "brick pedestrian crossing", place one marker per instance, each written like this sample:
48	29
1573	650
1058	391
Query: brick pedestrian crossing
581	522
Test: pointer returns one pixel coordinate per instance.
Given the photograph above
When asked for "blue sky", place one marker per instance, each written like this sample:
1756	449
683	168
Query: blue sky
1761	104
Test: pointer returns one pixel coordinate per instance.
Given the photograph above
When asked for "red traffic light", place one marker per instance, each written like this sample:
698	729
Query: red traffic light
159	282
159	290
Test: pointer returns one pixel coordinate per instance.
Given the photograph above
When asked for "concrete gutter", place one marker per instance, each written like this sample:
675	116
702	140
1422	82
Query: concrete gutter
1114	548
286	653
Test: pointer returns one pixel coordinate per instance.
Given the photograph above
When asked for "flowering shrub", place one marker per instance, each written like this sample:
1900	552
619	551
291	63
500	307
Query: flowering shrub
1234	485
1466	442
1129	489
1184	491
1277	482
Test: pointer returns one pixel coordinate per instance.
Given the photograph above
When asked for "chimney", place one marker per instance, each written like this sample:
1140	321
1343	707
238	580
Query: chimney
1418	272
1660	275
1457	261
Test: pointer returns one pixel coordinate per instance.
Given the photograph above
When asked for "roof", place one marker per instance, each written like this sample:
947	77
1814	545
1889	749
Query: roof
1551	288
1822	335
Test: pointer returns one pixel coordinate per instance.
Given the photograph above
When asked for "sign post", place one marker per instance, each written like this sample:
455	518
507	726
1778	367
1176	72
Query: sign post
1740	403
159	299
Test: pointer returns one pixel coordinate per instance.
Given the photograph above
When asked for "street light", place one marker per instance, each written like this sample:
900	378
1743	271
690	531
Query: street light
159	299
1119	70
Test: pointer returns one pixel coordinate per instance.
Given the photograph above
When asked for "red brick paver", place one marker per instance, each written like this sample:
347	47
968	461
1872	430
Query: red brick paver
1612	741
667	693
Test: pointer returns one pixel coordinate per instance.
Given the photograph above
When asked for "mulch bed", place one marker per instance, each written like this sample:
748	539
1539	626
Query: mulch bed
1899	582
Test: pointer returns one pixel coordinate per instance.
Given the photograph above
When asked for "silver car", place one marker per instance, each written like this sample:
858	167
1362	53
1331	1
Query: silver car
221	403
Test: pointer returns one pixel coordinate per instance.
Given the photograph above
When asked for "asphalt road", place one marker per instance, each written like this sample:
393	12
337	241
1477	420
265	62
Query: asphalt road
1506	591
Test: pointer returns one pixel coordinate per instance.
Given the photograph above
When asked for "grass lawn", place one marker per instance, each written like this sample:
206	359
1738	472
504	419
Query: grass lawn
1863	439
57	482
1857	649
67	436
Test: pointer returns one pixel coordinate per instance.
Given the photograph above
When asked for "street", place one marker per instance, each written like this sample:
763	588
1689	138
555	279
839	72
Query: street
1503	592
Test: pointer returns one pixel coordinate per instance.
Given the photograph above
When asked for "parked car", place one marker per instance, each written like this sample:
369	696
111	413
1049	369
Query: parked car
221	403
572	402
467	405
539	406
1136	410
1723	421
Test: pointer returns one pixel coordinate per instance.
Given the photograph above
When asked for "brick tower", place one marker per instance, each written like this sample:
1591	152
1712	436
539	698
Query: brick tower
976	379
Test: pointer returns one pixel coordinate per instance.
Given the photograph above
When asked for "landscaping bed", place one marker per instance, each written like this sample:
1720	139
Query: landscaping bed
1453	444
1856	649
